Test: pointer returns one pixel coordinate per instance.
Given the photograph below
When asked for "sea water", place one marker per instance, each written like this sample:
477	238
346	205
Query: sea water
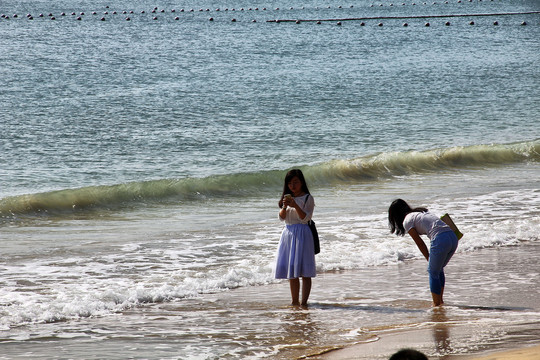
142	162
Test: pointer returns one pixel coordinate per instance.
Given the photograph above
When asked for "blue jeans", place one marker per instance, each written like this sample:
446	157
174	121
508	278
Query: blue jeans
443	246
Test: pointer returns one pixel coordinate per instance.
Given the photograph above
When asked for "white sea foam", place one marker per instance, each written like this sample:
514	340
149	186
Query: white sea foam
154	271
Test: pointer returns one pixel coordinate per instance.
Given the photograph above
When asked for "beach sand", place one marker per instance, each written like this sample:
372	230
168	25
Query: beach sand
528	353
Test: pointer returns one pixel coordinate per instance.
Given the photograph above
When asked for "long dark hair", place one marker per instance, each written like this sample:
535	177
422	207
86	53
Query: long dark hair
290	175
396	214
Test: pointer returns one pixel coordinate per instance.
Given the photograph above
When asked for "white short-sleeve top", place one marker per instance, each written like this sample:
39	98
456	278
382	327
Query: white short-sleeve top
292	216
425	223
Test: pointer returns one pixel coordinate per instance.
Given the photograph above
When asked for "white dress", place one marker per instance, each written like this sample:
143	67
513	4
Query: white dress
296	255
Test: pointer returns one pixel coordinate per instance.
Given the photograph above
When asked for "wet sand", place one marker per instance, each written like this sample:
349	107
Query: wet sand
388	344
487	319
370	314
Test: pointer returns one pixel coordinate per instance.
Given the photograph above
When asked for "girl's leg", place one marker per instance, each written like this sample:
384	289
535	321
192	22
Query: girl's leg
306	289
437	299
441	251
443	280
436	284
295	290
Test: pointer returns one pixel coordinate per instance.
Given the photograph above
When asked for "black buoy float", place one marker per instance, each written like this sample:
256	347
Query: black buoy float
177	18
102	19
405	25
471	23
495	23
427	24
380	24
447	23
524	23
362	24
338	23
233	20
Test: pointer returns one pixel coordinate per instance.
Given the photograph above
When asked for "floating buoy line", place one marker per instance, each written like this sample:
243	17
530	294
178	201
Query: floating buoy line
156	13
406	17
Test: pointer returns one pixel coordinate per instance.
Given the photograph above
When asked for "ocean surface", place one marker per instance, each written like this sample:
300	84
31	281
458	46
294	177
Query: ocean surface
144	146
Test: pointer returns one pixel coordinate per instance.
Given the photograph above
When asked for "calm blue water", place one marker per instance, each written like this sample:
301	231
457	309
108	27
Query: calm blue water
141	164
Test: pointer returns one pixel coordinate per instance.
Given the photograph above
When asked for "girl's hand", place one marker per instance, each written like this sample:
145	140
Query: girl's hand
288	201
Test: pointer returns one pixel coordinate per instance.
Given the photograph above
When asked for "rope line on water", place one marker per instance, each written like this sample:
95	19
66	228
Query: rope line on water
407	17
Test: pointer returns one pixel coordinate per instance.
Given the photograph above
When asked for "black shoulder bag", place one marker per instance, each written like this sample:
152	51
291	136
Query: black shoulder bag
313	229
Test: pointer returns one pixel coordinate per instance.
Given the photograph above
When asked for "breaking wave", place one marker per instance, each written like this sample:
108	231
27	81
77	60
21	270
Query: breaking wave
363	169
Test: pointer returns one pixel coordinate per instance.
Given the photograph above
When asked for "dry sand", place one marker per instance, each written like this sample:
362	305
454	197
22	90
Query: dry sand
527	353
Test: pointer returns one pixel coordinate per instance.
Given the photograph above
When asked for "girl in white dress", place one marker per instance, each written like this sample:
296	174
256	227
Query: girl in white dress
296	254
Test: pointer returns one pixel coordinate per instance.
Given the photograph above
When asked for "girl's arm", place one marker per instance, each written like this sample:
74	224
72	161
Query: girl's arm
420	243
283	212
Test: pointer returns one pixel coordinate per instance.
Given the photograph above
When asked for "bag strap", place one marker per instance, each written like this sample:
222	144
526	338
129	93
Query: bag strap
310	220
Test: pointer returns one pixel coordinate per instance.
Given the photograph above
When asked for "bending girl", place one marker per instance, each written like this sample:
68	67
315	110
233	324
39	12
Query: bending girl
403	219
296	254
